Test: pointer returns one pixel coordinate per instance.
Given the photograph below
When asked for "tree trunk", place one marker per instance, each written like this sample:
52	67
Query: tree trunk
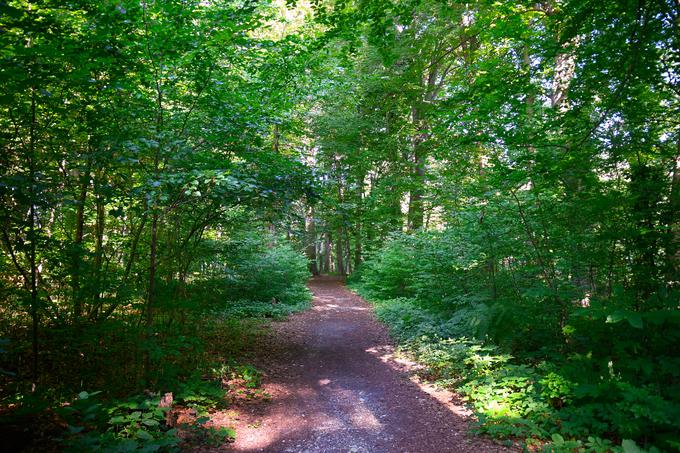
153	244
151	296
276	138
348	252
429	92
339	252
310	228
358	220
32	237
77	244
327	253
357	247
100	225
673	248
415	205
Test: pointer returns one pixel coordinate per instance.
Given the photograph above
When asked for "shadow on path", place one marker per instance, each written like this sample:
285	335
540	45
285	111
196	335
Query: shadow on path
336	387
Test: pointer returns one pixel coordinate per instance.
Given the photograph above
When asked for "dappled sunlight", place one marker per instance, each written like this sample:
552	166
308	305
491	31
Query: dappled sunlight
388	355
342	387
189	188
326	303
360	415
334	307
351	416
443	396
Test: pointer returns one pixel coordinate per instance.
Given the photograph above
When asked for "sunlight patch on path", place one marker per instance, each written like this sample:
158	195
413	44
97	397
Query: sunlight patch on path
337	385
388	355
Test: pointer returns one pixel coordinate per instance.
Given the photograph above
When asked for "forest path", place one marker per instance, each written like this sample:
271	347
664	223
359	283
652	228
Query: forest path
337	387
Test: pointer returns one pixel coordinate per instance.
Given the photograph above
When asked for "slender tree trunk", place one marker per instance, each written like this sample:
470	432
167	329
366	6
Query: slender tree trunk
310	228
32	237
151	297
327	253
318	254
348	253
358	220
153	245
339	252
276	138
673	248
78	244
415	205
100	226
35	320
357	247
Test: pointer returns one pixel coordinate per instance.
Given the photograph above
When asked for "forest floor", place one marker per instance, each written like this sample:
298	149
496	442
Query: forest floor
336	385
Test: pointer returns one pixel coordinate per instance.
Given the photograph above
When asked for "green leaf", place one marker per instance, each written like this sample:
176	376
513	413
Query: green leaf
635	320
615	317
557	438
144	435
629	446
202	420
117	420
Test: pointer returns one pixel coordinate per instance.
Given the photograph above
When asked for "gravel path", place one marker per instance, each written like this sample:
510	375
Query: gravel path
336	387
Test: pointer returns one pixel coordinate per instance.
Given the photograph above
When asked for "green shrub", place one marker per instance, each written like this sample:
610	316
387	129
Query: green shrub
252	271
530	364
278	273
137	424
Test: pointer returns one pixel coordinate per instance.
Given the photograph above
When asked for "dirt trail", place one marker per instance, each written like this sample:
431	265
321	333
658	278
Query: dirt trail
336	387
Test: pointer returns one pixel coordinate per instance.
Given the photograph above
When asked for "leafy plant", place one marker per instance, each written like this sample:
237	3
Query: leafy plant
133	425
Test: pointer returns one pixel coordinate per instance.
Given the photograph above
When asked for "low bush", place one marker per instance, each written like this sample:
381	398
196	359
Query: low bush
201	327
252	271
599	375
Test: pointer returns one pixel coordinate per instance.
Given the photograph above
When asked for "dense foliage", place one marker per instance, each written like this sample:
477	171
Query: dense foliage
501	177
144	201
609	372
512	172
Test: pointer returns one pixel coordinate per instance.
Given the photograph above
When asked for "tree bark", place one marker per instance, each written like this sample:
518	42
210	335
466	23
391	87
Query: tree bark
673	248
348	253
415	205
100	225
327	253
276	138
357	247
153	244
310	249
32	236
339	252
358	220
77	244
429	92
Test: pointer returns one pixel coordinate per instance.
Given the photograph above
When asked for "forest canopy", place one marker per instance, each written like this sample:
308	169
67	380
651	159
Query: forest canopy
501	178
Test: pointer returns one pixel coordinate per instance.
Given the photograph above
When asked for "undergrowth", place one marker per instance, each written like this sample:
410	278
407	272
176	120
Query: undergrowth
545	402
107	399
